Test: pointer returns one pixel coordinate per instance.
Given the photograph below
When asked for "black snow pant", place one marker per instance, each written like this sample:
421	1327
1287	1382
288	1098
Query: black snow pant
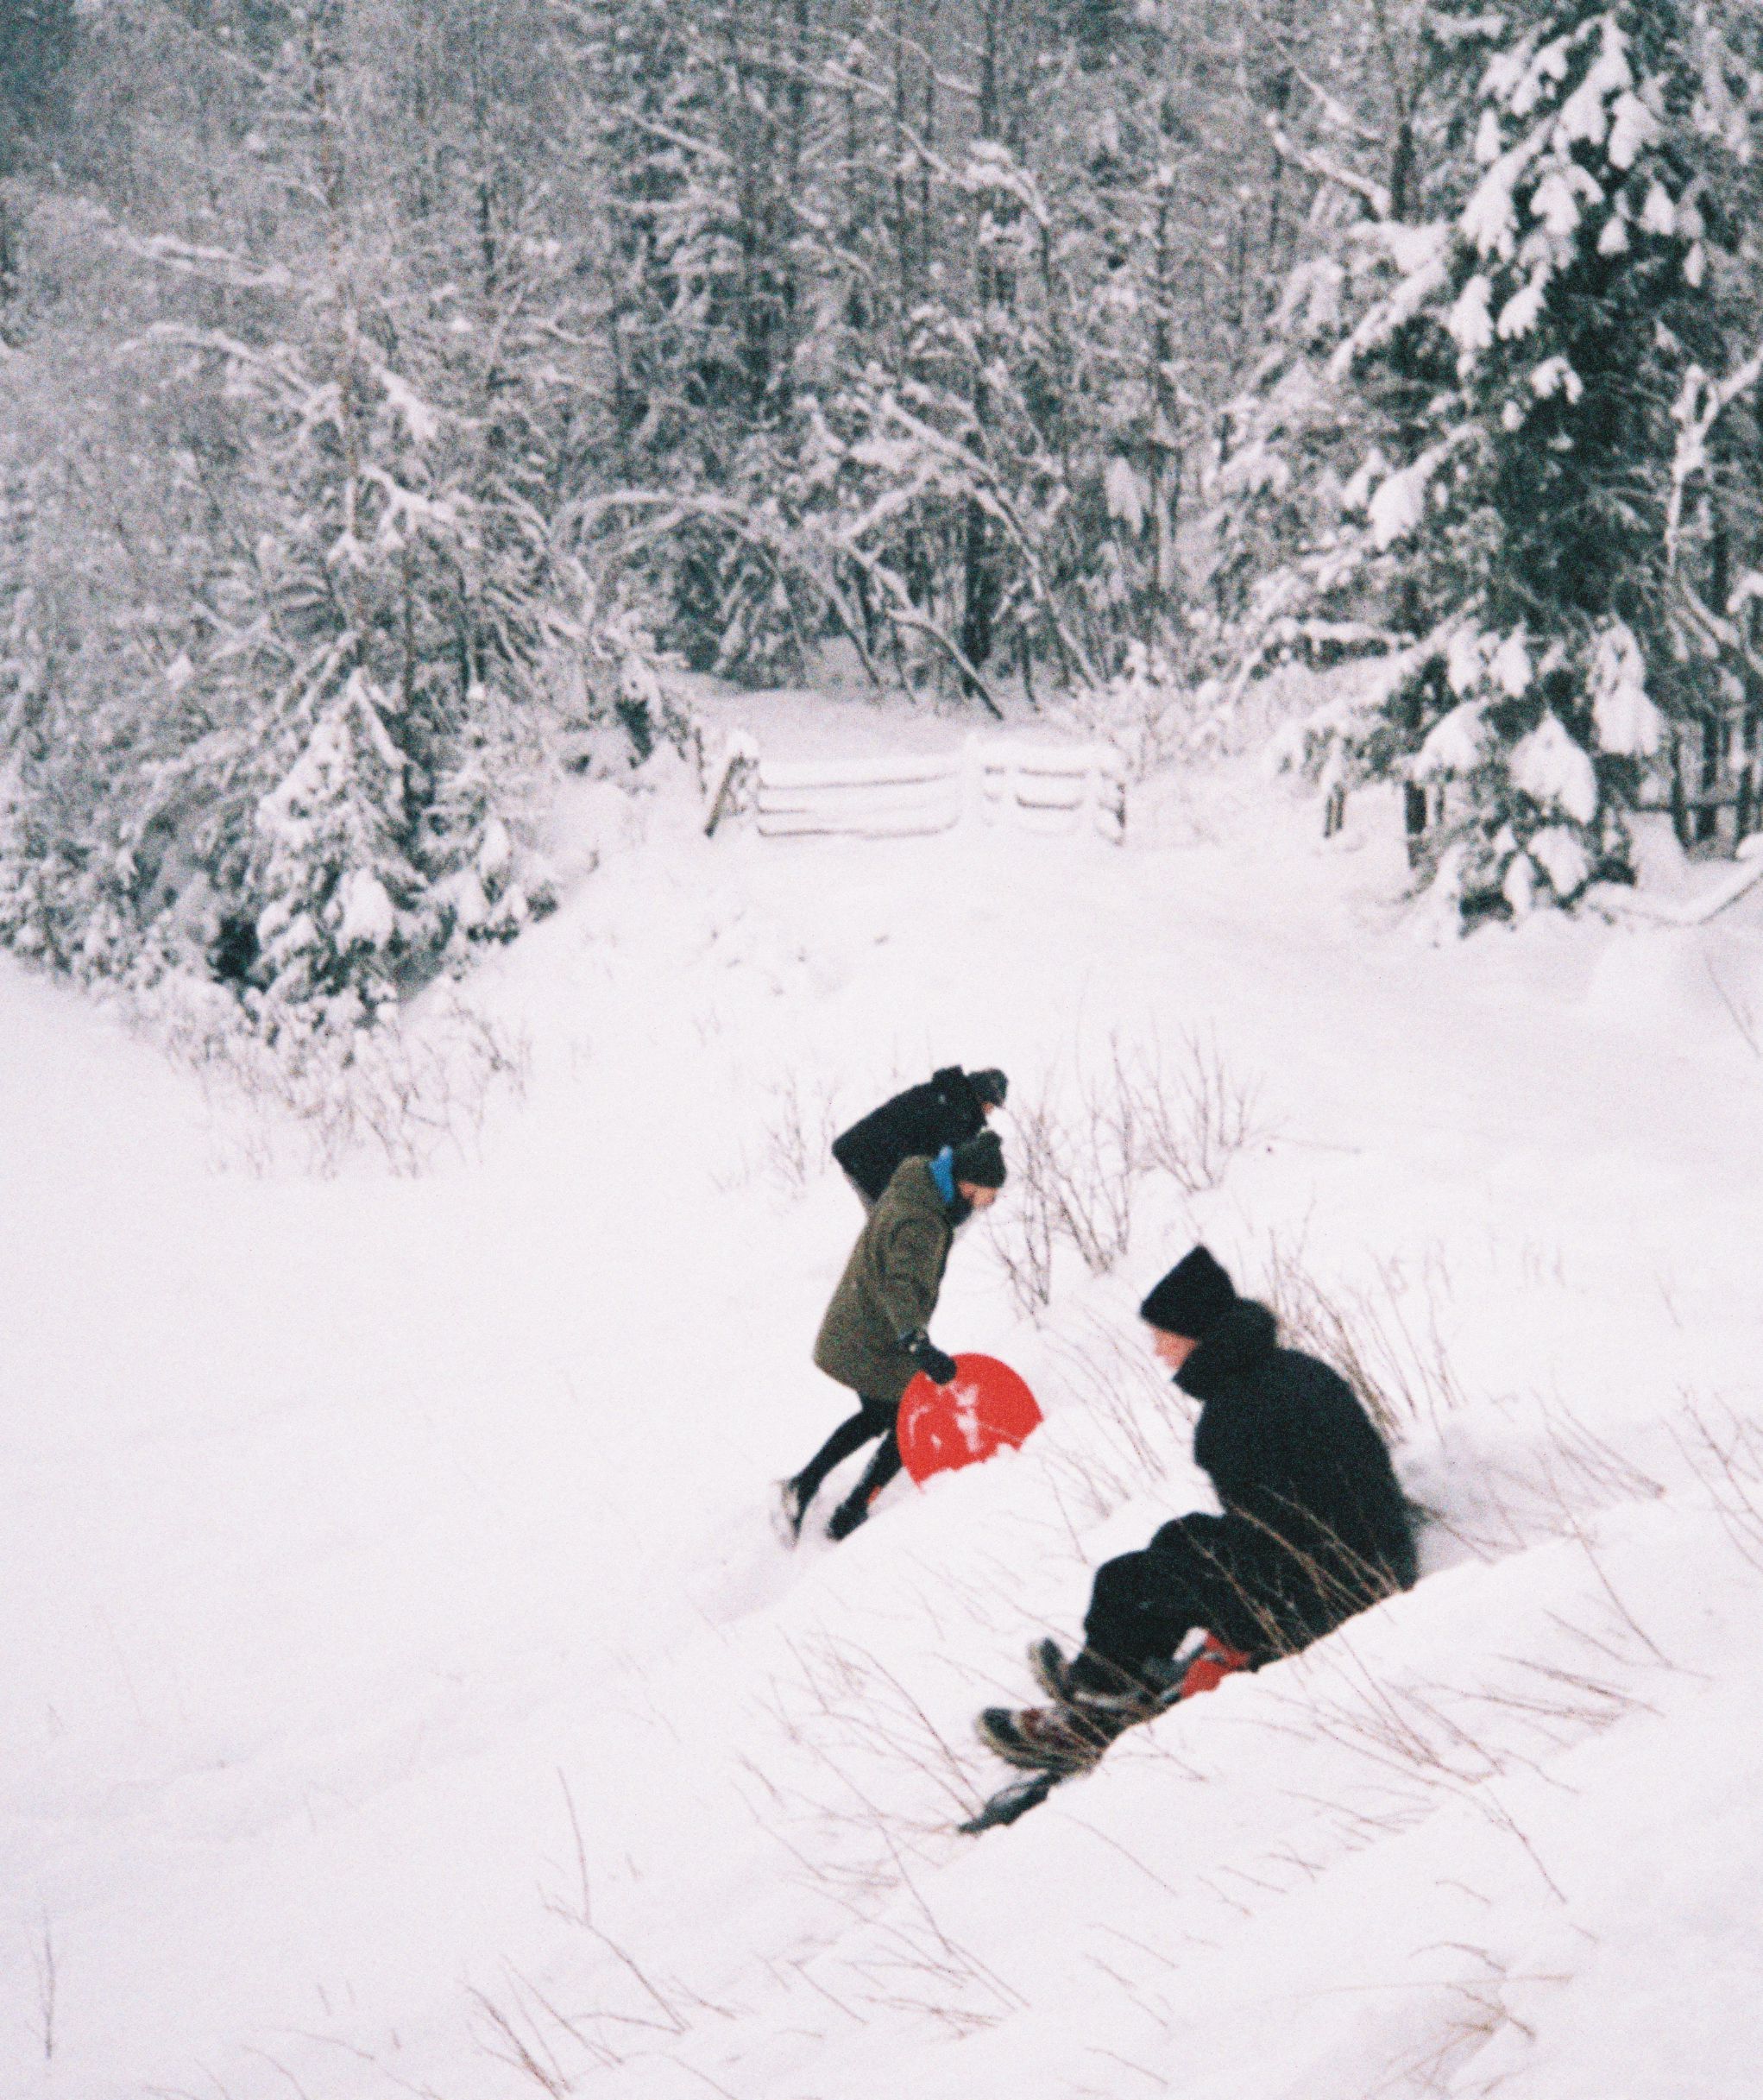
1218	1572
873	1418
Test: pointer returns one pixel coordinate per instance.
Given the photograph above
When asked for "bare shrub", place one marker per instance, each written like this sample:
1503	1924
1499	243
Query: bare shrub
1072	1181
799	1132
43	1961
515	2038
845	1712
1568	1473
1022	1236
927	1973
406	1089
1085	1148
844	1701
1136	1431
1184	1111
1476	2012
1725	1451
1390	1349
1423	1741
1082	1173
552	2048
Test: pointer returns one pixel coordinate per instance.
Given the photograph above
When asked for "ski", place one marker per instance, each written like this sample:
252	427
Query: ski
1008	1802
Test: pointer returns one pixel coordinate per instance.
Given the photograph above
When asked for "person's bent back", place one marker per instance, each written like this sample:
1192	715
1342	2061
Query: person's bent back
1291	1451
949	1108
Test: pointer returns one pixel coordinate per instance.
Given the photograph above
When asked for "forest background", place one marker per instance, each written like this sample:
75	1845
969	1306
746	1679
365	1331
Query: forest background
396	396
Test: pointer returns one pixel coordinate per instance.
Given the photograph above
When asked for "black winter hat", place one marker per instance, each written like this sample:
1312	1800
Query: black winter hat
1192	1299
979	1161
990	1085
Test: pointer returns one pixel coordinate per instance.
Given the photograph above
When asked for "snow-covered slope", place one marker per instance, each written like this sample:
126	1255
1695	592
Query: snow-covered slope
402	1687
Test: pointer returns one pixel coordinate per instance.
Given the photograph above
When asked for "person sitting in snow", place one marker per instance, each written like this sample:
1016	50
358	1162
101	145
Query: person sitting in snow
1314	1528
874	1337
951	1107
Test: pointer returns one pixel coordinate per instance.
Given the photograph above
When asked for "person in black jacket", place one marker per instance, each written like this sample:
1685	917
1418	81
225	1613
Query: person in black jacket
1314	1527
950	1108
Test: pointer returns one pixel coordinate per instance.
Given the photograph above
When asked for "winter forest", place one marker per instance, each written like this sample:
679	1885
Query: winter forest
394	394
1043	717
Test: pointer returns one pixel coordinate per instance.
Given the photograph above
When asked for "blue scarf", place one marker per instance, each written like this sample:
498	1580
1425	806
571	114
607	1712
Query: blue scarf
942	1172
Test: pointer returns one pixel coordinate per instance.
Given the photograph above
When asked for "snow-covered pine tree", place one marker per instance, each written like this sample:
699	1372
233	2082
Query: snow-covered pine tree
302	404
342	907
36	40
704	126
397	408
467	844
1527	365
20	649
1291	572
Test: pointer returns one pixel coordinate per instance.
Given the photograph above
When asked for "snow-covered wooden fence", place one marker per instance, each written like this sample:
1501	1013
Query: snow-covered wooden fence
1069	788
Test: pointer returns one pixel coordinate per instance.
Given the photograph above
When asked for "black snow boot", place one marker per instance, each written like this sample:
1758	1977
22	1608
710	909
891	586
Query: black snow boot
789	1510
1048	1738
1087	1684
847	1517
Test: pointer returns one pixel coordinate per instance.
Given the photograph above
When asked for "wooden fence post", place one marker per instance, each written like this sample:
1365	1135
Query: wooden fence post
740	756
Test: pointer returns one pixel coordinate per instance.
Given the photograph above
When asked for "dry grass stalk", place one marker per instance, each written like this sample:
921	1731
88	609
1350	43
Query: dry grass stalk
409	1090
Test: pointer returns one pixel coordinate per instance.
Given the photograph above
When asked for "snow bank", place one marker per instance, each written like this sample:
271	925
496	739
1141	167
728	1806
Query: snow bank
404	1690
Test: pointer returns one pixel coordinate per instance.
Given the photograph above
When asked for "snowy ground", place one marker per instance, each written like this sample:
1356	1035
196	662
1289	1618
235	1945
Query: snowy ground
404	1691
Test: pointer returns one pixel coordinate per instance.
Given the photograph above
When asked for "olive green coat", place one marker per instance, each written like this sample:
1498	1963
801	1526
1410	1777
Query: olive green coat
889	1287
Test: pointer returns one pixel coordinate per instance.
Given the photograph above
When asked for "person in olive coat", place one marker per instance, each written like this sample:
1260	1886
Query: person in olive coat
874	1337
951	1107
1314	1526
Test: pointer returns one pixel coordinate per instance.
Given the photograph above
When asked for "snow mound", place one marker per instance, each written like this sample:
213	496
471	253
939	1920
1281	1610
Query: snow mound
392	1603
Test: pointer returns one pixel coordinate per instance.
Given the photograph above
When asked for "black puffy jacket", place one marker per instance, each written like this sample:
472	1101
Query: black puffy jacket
917	1124
1291	1451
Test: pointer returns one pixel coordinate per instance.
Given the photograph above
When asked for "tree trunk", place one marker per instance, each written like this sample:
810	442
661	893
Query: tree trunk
979	581
1745	815
1680	805
1708	799
8	268
1413	796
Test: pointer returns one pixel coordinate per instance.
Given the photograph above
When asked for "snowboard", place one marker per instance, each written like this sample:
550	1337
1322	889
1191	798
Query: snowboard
985	1407
1206	1669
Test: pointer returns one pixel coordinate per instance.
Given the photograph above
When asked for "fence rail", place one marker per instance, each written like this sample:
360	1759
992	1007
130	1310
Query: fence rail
1050	788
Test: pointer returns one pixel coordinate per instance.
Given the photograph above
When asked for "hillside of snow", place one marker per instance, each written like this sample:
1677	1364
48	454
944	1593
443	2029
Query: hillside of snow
404	1691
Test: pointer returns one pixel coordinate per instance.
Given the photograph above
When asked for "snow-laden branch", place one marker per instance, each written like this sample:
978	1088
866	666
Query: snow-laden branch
668	512
1371	192
1700	406
1335	112
216	266
970	475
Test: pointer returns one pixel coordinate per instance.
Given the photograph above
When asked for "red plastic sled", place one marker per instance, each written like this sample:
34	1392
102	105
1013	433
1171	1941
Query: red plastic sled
1210	1668
985	1407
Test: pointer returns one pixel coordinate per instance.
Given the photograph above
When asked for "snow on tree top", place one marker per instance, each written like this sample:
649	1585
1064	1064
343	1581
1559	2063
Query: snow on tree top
1555	772
1456	744
1561	856
1583	115
1628	724
1633	127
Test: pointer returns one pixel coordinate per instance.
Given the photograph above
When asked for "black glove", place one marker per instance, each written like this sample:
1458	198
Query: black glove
937	1368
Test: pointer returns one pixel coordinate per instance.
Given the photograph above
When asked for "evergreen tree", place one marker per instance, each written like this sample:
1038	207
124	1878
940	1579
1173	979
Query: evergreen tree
36	40
341	913
1527	367
421	371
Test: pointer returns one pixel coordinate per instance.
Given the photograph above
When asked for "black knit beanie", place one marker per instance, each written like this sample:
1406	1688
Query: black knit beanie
1192	1299
979	1161
990	1085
